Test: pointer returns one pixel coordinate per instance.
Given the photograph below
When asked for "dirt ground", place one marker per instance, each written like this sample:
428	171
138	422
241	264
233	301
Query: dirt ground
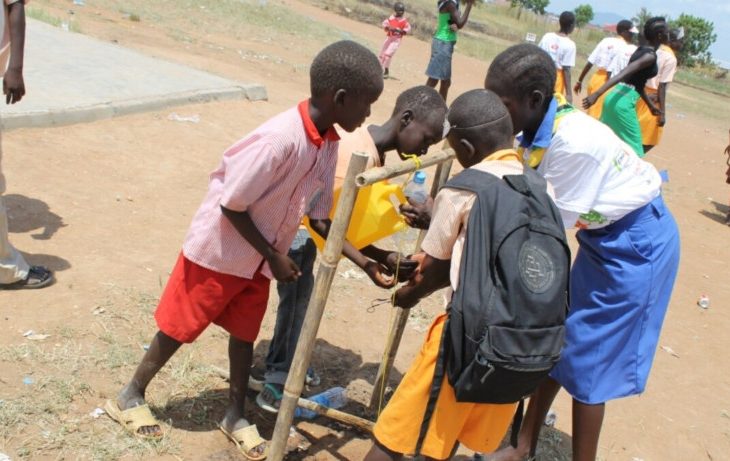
107	204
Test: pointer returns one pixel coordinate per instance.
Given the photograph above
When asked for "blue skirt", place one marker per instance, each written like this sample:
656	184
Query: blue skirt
621	282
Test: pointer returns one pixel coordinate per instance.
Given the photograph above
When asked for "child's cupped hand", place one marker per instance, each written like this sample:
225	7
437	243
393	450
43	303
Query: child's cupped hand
379	274
283	268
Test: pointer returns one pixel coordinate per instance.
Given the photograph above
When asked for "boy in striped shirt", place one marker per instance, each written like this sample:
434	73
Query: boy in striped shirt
239	237
417	122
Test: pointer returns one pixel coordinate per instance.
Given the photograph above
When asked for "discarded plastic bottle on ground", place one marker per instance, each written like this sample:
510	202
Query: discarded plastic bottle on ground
416	188
550	418
704	302
335	397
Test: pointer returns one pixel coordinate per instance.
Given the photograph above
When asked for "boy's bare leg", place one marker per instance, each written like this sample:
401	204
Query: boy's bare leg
161	349
432	82
444	88
376	453
587	421
240	355
538	408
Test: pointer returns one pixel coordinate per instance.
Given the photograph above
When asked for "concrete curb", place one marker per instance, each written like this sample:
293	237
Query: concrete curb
90	113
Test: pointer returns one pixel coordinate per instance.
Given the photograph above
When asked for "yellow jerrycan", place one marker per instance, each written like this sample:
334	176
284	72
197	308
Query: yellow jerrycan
374	216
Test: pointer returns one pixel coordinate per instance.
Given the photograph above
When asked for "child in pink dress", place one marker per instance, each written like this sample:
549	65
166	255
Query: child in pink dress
396	26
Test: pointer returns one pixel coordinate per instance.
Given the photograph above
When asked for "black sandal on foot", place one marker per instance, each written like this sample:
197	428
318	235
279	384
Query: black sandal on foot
38	277
269	398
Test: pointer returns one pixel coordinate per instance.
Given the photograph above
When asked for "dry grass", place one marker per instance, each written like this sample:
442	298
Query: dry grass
69	376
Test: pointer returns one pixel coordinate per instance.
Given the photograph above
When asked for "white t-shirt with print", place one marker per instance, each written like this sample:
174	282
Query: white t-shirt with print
603	53
621	58
597	178
560	48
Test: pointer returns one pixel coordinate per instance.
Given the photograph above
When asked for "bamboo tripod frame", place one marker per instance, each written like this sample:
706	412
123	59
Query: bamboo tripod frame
356	177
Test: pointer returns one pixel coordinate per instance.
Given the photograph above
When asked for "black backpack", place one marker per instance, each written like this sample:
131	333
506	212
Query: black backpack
505	325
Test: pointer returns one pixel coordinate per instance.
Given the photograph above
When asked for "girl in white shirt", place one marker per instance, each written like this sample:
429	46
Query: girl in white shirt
628	256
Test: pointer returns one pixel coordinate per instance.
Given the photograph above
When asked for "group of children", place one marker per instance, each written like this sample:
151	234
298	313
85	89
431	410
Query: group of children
247	232
628	90
449	20
236	244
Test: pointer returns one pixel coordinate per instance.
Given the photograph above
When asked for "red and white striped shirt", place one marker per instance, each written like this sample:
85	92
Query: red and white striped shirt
278	173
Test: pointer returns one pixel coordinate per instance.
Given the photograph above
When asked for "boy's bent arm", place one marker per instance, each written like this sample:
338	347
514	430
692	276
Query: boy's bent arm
432	275
566	79
459	20
282	267
662	99
371	268
579	84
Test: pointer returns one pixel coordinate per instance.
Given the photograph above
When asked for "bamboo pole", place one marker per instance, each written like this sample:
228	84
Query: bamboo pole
341	416
401	315
322	283
374	175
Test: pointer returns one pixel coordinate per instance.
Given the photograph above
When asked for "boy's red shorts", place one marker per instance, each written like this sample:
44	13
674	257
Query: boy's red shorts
195	297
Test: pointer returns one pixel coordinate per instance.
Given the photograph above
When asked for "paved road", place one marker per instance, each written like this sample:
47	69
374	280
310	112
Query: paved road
75	78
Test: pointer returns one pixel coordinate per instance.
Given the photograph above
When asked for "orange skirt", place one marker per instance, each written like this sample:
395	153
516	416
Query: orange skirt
559	81
597	80
480	427
651	132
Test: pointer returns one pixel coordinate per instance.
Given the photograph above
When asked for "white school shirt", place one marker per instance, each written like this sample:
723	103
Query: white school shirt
598	179
560	48
667	66
603	53
621	58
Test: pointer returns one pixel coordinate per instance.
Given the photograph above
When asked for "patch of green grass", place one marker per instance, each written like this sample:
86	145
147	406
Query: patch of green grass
711	80
42	15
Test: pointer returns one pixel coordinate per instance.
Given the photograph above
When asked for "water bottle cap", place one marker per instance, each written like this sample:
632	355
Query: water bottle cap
419	177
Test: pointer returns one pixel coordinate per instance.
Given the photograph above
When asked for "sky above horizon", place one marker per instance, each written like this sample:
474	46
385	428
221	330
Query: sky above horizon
715	11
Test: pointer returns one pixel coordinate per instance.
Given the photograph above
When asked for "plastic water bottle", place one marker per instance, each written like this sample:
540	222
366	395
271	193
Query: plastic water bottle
335	397
416	192
416	188
551	418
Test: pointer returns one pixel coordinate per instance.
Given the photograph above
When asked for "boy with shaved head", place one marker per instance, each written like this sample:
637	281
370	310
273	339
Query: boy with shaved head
481	135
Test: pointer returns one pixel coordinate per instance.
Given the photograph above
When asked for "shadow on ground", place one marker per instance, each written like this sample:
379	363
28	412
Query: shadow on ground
54	263
27	214
335	365
328	438
720	214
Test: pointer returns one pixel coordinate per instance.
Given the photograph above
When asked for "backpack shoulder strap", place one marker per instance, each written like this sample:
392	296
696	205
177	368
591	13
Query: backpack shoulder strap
530	183
471	180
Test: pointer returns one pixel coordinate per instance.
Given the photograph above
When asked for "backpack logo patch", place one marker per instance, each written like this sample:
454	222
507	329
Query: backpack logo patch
536	268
